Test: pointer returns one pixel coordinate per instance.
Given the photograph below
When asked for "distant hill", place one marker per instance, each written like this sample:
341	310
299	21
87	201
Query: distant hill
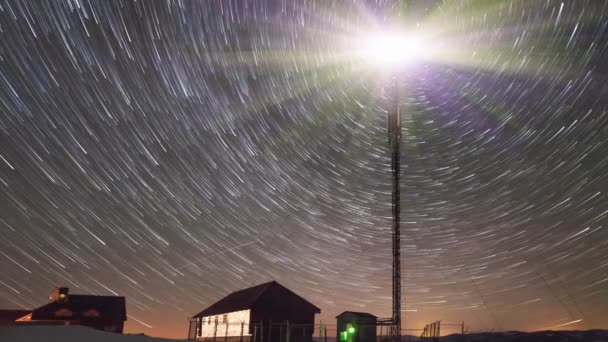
537	336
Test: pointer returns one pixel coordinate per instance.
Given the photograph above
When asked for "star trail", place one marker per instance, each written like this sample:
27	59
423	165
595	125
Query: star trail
175	151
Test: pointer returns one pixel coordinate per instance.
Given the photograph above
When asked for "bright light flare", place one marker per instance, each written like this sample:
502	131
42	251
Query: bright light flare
390	49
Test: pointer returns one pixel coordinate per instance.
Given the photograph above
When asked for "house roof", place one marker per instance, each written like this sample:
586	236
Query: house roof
79	307
12	315
358	314
245	299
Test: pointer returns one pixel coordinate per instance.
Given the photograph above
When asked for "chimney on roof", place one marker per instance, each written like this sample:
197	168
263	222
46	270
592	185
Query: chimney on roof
60	294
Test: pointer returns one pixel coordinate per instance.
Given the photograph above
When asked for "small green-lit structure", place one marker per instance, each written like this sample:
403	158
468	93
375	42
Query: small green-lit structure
356	327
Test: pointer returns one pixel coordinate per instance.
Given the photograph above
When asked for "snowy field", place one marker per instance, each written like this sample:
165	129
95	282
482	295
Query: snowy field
68	334
84	334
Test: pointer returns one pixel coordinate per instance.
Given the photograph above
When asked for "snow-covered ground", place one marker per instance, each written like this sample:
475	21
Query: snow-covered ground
84	334
68	334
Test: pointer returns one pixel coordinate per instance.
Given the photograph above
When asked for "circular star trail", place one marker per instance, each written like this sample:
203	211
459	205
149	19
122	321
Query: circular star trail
175	151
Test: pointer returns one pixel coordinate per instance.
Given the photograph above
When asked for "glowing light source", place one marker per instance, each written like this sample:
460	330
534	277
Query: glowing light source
390	49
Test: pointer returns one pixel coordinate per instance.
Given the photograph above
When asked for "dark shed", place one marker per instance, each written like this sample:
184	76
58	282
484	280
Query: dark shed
356	327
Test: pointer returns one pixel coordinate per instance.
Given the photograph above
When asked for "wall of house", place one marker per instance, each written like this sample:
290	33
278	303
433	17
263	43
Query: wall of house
230	327
105	325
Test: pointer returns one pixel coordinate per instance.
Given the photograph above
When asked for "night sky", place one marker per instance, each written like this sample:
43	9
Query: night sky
175	151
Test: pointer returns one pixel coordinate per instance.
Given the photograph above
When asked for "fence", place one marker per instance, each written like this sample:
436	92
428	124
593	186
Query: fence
280	332
258	332
432	331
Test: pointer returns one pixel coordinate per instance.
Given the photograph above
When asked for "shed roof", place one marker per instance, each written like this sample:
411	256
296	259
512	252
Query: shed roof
245	299
358	314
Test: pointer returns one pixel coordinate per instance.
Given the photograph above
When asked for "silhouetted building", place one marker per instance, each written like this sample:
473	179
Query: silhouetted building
8	317
107	313
356	327
254	313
